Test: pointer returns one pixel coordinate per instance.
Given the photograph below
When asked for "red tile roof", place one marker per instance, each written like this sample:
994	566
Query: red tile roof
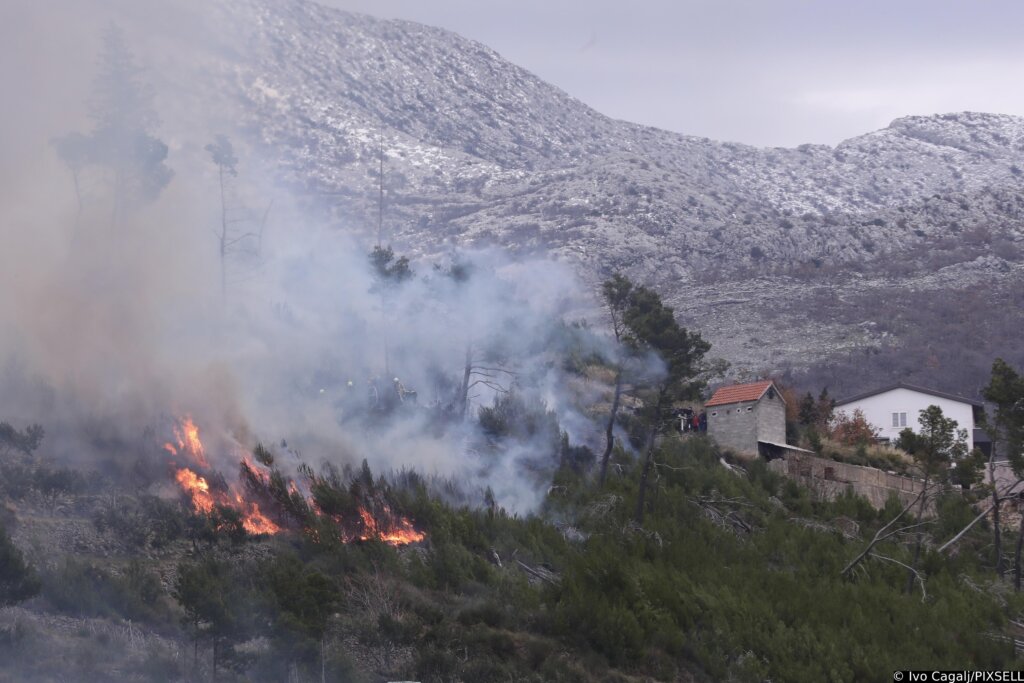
738	393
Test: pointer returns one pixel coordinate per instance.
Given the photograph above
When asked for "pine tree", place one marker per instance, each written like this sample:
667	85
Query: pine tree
651	330
122	141
808	410
203	591
937	446
616	293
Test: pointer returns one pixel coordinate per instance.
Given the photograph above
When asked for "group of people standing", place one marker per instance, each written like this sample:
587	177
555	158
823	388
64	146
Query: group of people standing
692	421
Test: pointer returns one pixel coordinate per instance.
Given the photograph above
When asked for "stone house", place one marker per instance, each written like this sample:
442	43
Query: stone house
749	419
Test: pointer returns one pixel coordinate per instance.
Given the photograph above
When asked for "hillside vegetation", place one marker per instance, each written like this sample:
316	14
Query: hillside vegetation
732	577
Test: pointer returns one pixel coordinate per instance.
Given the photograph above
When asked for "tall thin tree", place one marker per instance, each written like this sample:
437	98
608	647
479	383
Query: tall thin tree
223	154
936	446
616	292
1006	391
651	330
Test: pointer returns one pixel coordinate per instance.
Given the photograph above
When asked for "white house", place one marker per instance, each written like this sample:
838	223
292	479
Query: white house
894	408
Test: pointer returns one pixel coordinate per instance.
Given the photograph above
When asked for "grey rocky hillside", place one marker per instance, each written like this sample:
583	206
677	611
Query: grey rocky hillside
782	257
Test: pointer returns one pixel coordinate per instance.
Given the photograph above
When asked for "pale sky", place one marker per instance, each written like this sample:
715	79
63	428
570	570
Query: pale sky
764	72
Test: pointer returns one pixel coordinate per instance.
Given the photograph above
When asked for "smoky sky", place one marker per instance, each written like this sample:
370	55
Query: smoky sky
762	72
122	311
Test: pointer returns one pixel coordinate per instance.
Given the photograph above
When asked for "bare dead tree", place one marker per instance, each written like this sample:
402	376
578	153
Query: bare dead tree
74	150
886	532
239	229
377	597
482	369
912	570
1006	494
715	510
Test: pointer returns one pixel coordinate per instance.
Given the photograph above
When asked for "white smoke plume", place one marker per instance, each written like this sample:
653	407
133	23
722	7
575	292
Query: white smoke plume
114	322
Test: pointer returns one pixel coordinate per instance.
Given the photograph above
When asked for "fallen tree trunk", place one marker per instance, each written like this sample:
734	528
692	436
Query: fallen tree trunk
540	573
882	534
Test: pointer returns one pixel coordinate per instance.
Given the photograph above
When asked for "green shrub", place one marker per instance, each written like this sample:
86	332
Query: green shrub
83	589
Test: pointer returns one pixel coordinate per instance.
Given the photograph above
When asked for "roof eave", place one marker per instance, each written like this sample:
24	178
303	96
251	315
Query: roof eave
909	387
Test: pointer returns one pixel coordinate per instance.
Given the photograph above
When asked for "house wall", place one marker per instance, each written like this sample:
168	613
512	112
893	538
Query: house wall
734	426
771	418
739	426
878	410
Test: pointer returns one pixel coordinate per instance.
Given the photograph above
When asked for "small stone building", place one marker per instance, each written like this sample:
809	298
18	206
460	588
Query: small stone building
749	419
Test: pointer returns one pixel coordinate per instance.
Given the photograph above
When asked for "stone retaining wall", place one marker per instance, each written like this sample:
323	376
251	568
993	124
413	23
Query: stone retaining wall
828	479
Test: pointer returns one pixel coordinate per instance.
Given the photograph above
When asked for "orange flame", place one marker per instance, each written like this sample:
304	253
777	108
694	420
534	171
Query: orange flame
255	522
187	435
401	532
203	500
389	528
197	488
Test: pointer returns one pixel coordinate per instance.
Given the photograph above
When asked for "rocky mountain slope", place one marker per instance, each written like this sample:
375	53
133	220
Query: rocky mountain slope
773	253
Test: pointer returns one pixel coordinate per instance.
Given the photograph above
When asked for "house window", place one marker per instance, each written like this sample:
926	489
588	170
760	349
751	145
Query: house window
749	408
713	413
899	419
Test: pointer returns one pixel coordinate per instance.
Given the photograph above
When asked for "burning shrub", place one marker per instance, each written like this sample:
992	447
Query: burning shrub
330	494
364	509
276	490
266	501
229	521
263	456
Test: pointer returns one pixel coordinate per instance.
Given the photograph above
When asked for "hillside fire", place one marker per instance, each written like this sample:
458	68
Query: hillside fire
267	503
187	437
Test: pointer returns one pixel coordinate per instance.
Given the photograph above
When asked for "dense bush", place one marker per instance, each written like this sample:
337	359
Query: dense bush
512	415
18	580
83	588
146	520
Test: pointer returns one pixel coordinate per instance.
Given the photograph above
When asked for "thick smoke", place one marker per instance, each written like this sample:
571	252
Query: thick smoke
114	320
